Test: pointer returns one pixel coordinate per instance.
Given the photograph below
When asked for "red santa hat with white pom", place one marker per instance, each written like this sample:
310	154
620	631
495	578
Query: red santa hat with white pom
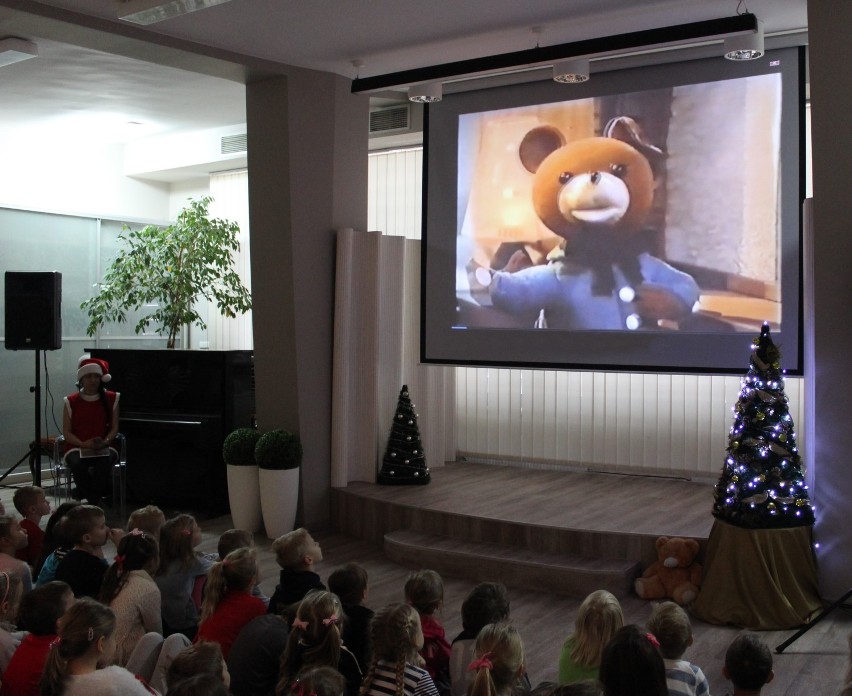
88	365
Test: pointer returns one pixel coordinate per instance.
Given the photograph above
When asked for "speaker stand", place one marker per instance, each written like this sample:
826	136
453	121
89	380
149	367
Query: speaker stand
34	453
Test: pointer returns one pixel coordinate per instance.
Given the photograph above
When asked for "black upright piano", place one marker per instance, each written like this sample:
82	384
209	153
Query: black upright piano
176	408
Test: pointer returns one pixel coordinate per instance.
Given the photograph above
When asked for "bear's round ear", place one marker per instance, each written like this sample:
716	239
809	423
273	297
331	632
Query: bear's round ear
661	541
538	144
692	545
626	130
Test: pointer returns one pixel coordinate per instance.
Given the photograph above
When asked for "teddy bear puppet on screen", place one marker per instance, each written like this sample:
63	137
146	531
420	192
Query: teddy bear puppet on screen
404	461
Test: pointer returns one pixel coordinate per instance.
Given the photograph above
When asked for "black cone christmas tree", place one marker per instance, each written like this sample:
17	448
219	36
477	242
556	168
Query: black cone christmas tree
404	461
762	483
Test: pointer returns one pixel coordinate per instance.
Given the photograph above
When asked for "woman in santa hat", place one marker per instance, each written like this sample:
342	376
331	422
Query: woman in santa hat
90	424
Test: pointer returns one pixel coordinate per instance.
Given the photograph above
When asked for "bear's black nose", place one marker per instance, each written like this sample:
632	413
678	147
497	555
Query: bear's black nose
596	177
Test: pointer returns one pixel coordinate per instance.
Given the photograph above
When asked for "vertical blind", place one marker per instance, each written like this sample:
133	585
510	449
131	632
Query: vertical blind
667	424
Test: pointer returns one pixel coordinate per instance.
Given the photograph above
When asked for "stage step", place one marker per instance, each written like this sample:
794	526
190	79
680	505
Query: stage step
516	566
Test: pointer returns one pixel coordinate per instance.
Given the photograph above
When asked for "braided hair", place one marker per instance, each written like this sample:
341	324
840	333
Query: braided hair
397	638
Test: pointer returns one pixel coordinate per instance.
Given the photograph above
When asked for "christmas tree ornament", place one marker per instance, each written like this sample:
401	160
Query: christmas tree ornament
404	461
763	473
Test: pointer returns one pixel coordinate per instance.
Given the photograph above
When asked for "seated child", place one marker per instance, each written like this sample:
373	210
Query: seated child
55	544
598	619
255	656
32	505
234	539
748	664
228	603
395	668
487	603
84	566
498	666
73	666
203	657
671	627
130	591
39	614
349	583
149	519
321	681
315	641
12	539
181	575
296	553
10	636
424	590
631	665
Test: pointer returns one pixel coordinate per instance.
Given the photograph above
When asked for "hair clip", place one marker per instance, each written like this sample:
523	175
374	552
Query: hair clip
136	532
483	662
91	634
331	620
55	642
186	532
652	639
119	562
298	623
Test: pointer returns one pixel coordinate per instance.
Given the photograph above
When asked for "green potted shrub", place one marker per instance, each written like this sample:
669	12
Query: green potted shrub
278	454
243	479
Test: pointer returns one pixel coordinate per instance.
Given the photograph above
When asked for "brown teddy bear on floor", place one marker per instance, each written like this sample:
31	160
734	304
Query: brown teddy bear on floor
674	574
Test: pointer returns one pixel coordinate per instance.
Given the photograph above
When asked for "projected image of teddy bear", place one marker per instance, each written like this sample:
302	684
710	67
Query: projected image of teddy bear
595	193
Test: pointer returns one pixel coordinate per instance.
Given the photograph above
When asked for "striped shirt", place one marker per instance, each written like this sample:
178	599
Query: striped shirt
685	679
416	681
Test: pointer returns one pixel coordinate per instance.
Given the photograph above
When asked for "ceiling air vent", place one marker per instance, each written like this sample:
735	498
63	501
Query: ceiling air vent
394	118
233	143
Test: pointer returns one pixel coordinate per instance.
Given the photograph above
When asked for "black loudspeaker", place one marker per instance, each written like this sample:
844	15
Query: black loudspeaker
33	310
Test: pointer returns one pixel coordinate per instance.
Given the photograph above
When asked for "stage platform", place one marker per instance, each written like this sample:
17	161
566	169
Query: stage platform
564	531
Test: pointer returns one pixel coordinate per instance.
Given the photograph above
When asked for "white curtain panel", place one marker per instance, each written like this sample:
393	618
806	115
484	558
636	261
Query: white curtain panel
376	351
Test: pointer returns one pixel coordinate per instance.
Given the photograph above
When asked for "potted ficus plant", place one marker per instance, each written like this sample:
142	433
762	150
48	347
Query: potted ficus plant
172	268
278	454
243	479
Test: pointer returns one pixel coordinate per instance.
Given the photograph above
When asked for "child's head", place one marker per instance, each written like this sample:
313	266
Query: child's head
487	603
42	608
598	619
424	590
85	525
53	533
237	571
86	626
12	537
349	582
234	539
204	657
396	633
631	665
670	624
748	663
11	589
178	539
31	502
499	660
148	519
315	637
137	550
296	550
319	681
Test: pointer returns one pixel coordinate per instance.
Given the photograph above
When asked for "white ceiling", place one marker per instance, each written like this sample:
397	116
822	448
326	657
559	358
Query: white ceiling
387	35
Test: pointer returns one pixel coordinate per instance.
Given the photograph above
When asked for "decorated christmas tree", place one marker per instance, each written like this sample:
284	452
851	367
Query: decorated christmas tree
404	461
762	483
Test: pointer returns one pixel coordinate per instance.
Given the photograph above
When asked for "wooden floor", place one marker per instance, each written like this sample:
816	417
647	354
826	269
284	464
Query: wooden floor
815	664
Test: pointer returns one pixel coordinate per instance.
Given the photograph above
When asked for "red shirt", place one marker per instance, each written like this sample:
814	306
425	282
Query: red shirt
436	650
23	674
88	418
235	610
31	553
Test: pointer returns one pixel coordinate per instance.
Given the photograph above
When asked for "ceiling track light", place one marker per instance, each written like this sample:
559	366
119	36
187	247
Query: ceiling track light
601	47
571	72
745	46
427	93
